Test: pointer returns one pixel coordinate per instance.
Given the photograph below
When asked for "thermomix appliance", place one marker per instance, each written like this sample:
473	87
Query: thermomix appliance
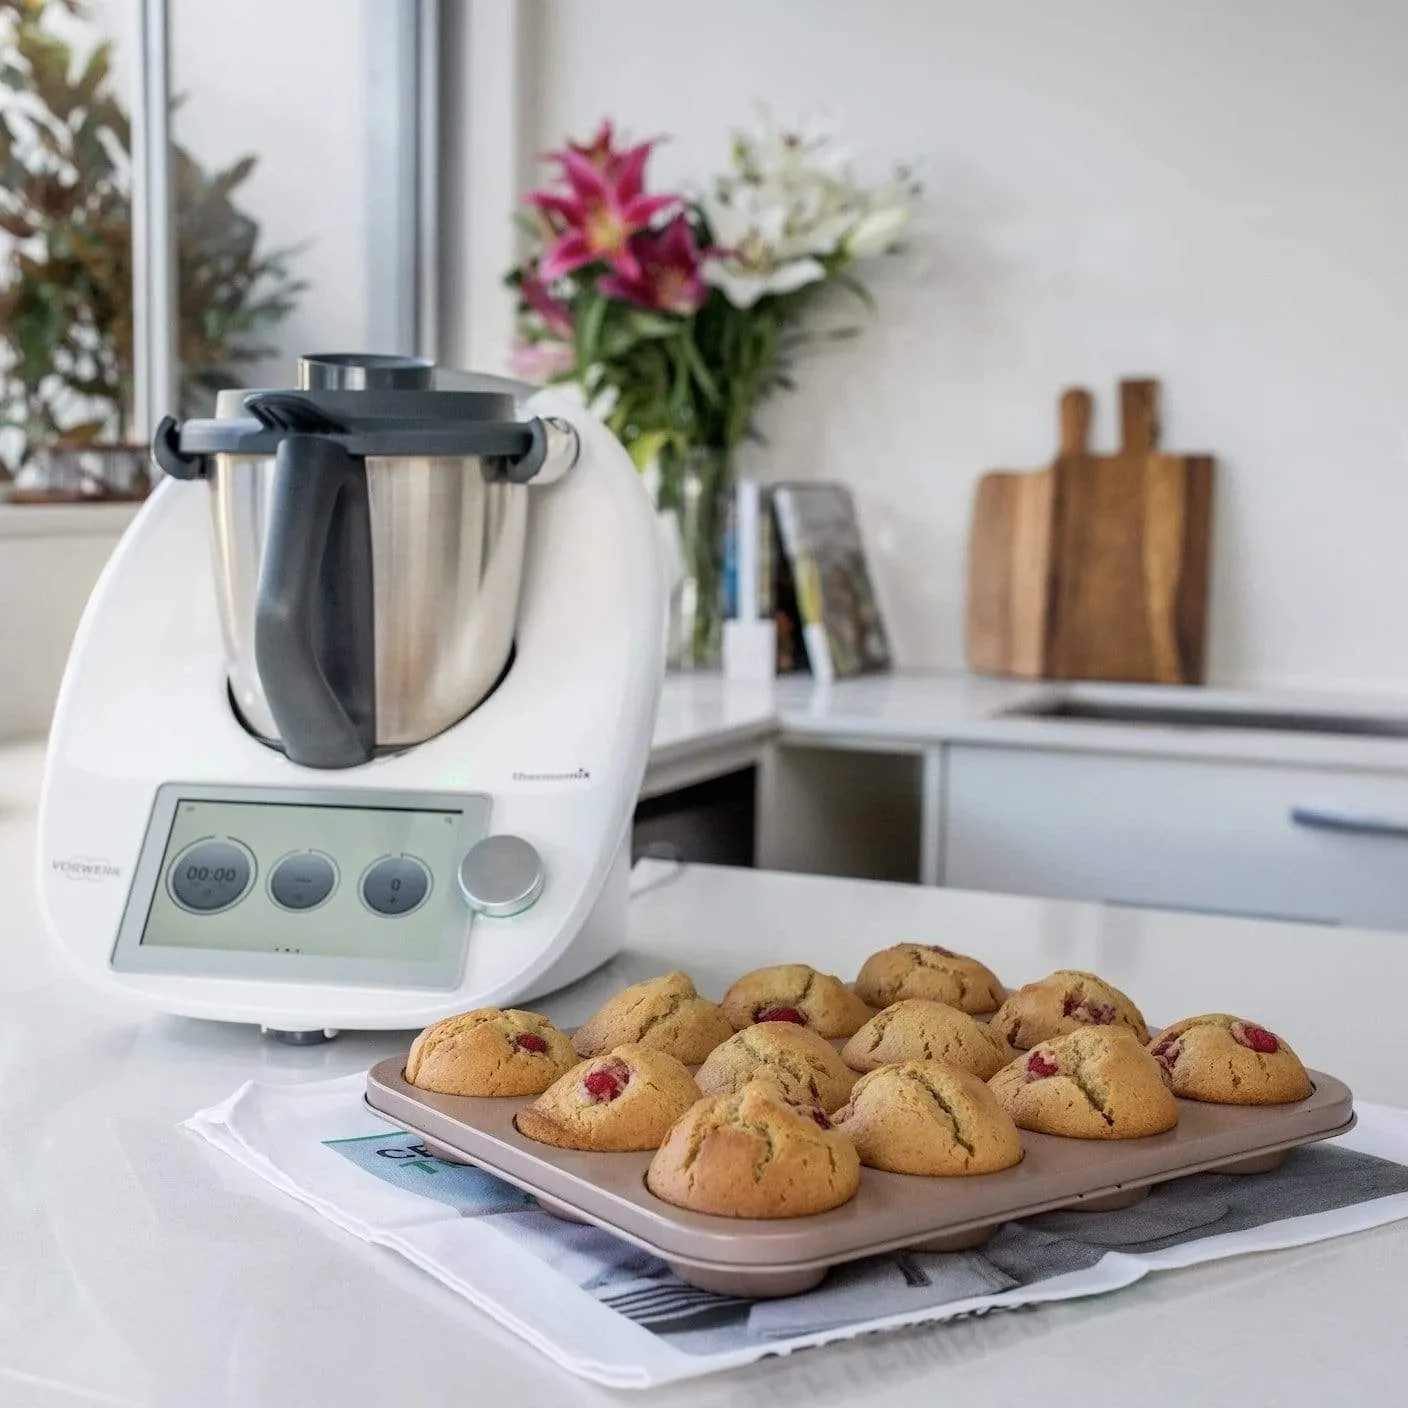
354	722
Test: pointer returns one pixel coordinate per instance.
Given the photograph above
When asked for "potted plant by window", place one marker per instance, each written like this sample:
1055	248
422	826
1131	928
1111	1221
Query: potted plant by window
66	357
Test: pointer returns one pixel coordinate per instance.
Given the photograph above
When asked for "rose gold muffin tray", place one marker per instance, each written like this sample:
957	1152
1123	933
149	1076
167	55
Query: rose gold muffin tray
784	1256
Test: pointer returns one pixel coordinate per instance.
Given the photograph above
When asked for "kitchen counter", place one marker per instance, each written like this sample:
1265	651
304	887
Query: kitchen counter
709	727
138	1267
909	712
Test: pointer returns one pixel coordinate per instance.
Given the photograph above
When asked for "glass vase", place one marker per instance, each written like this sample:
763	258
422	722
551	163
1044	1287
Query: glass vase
696	485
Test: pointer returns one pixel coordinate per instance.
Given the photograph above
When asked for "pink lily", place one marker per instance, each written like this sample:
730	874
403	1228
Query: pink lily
601	212
669	280
554	314
540	362
601	150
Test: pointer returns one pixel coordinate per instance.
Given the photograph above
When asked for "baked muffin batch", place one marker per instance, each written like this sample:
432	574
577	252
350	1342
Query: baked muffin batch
793	992
917	1028
489	1052
621	1102
929	1117
664	1013
752	1111
805	1065
1097	1082
751	1152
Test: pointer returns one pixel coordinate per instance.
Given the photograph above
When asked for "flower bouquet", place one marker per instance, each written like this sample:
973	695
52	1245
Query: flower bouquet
677	315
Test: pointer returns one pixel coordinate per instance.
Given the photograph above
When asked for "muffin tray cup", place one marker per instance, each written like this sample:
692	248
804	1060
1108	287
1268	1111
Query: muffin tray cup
759	1257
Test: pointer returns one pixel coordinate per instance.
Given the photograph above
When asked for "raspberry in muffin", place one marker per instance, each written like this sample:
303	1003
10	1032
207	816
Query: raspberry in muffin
1064	1002
1226	1060
489	1052
917	1029
925	970
931	1118
749	1153
624	1100
796	993
803	1064
665	1013
1096	1082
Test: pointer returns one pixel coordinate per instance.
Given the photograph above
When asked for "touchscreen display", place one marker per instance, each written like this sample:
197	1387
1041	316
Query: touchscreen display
323	881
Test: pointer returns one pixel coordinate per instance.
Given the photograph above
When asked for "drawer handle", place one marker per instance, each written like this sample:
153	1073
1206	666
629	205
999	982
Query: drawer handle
1317	820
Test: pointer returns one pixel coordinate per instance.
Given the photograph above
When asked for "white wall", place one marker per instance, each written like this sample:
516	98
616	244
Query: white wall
1207	192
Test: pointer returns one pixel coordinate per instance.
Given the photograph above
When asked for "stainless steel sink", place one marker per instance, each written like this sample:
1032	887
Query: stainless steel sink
1194	715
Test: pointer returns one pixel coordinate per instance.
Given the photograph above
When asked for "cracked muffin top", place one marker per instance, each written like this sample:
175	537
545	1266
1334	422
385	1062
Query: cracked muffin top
926	970
622	1101
918	1029
489	1052
1093	1083
749	1153
665	1013
1226	1060
796	993
1064	1002
804	1065
929	1117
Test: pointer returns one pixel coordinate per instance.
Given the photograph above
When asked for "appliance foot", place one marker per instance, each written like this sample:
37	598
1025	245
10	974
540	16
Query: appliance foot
303	1038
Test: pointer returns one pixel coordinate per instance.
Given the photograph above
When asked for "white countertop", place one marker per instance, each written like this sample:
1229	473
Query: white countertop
908	712
138	1267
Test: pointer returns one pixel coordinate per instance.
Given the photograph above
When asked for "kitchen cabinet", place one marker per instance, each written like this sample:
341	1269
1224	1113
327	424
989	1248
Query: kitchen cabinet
1324	845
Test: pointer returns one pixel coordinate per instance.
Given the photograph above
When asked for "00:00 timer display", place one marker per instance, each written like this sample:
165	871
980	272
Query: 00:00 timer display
221	875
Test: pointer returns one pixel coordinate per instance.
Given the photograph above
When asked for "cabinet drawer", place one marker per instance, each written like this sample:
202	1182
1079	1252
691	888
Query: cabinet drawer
1287	843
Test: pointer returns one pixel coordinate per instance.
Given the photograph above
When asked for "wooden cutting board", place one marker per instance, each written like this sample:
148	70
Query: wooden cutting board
1096	567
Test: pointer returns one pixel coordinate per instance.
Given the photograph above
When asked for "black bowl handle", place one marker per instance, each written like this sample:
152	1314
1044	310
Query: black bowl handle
313	627
167	452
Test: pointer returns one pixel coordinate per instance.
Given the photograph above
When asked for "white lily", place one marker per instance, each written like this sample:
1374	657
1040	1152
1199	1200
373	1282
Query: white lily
751	226
743	286
806	148
876	231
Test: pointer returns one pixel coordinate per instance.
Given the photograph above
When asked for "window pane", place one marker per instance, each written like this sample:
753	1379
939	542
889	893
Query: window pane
270	137
65	257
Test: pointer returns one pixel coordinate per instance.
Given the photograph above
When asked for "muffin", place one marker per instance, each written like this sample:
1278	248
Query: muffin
920	1030
1226	1060
1065	1002
749	1153
664	1013
925	970
489	1052
793	992
929	1117
803	1064
623	1101
1092	1083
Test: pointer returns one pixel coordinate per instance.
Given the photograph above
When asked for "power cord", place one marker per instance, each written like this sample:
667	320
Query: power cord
660	850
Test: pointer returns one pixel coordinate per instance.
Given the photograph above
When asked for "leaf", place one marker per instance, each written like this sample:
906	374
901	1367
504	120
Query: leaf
647	447
85	432
702	376
94	75
855	288
652	325
587	330
48	61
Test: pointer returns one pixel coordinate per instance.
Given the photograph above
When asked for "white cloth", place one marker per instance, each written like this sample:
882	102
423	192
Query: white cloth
613	1314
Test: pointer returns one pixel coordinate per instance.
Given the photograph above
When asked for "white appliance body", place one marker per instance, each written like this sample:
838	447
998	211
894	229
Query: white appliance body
556	754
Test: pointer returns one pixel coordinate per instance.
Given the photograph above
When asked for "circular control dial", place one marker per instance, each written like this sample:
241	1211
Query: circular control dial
210	876
501	876
395	885
302	880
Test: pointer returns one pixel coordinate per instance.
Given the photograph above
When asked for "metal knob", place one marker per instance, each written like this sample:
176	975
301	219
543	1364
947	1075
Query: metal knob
501	875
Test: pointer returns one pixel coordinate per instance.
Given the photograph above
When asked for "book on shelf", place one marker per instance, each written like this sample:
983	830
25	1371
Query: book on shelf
826	581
